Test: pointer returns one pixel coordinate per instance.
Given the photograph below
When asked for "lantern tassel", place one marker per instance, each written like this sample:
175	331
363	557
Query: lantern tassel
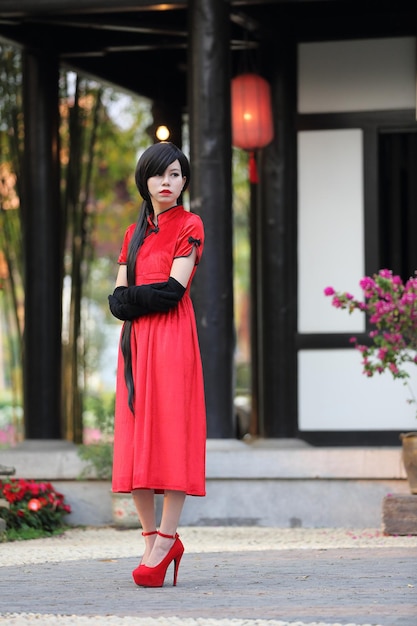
253	170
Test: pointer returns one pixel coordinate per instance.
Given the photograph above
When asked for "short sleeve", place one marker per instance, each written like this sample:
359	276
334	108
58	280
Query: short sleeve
191	236
122	260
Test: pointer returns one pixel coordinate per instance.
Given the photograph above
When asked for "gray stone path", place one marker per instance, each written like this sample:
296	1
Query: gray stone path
373	582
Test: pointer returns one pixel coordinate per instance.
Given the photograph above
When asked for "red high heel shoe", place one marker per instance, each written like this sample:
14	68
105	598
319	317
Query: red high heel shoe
145	576
152	532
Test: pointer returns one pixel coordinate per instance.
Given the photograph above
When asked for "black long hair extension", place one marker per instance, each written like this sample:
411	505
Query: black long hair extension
153	162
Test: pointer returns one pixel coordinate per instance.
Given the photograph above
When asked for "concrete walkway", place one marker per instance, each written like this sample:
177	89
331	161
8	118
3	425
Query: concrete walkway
228	577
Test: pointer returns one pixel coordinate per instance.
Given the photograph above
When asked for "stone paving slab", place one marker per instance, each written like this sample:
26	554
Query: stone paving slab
346	586
75	620
375	584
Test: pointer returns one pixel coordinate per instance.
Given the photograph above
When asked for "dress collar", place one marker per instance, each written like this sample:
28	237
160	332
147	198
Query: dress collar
164	215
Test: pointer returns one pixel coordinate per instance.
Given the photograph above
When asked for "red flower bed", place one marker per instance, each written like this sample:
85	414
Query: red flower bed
31	504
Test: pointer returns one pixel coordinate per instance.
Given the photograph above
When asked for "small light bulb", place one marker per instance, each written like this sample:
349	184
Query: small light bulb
162	133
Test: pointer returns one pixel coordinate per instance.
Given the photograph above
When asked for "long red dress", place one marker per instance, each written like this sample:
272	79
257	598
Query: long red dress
162	446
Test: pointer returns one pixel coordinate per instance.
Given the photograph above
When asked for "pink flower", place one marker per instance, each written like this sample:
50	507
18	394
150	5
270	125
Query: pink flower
408	298
367	283
382	353
34	505
34	489
393	368
385	273
411	283
329	291
391	309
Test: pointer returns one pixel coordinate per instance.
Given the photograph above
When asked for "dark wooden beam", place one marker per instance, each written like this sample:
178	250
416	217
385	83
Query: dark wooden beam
36	7
116	24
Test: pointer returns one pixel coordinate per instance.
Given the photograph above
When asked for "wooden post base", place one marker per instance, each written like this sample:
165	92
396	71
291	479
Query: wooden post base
399	514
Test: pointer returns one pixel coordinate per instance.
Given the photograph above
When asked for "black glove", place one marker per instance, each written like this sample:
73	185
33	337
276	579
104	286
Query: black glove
124	311
161	297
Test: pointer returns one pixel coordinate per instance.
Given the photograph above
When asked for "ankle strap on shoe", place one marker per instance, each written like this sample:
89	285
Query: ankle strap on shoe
168	536
152	532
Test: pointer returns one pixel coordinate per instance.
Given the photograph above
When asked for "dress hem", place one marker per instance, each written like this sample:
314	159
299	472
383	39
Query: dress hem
162	491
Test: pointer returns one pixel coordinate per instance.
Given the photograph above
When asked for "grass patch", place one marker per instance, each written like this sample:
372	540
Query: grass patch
22	534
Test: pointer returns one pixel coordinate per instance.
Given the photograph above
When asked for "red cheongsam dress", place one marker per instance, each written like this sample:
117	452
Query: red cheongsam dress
162	446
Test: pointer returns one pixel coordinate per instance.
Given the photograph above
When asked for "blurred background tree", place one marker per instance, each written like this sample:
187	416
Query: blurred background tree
11	258
102	133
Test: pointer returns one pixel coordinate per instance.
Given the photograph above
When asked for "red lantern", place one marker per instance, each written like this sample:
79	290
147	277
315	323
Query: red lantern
252	124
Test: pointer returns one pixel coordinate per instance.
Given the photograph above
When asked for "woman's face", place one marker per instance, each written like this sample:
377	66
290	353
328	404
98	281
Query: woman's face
166	188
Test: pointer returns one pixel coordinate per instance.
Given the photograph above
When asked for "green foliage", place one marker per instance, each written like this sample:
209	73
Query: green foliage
23	534
99	457
118	145
241	200
11	110
11	419
117	200
243	374
11	255
98	414
241	263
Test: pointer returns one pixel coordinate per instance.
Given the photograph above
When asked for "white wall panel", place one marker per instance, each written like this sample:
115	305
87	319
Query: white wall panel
330	227
360	75
335	395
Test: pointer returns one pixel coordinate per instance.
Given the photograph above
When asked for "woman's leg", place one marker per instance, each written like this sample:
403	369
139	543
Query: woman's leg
171	513
144	500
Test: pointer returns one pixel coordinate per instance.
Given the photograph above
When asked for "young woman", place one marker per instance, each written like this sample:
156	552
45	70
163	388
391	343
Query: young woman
160	421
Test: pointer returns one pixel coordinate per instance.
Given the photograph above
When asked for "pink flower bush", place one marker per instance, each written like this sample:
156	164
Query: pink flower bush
391	307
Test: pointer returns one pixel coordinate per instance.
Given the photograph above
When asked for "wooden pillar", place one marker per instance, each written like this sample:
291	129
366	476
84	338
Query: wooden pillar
211	197
276	263
42	243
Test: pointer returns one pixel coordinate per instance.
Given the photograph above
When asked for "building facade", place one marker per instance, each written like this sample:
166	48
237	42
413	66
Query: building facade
340	167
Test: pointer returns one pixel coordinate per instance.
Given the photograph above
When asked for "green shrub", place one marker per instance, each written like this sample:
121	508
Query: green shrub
99	457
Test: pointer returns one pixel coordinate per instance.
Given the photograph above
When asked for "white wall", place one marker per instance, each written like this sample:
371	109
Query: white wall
358	75
330	227
335	395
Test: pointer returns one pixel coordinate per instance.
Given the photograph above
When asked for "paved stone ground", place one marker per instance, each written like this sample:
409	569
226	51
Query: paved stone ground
228	577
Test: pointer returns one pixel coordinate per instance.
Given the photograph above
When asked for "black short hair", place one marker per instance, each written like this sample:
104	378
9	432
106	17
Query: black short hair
155	160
